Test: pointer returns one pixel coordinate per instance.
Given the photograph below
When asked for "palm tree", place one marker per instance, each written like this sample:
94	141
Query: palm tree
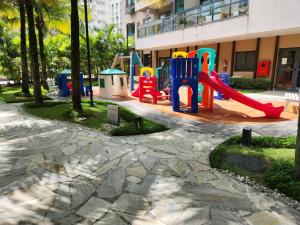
297	153
18	19
40	24
11	16
50	14
24	59
33	53
75	57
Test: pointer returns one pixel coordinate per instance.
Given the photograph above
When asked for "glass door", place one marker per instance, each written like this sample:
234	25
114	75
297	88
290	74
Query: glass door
297	71
285	78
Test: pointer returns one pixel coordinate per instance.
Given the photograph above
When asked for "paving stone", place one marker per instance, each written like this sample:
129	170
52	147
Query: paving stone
21	195
138	171
177	177
49	177
56	215
72	219
228	217
112	185
75	170
80	190
148	161
263	218
160	155
130	203
41	192
54	167
142	188
141	219
111	219
159	168
133	179
63	197
179	167
107	166
128	159
21	183
94	209
207	194
196	166
69	150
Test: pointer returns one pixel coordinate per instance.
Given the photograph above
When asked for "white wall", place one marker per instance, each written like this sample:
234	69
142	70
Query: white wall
266	18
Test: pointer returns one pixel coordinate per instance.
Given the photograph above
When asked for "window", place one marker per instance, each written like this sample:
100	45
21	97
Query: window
147	60
102	83
245	61
179	6
164	15
131	29
147	20
122	82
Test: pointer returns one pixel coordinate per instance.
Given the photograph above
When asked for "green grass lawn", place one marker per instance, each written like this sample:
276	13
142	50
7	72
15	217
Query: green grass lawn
95	117
278	155
248	91
14	95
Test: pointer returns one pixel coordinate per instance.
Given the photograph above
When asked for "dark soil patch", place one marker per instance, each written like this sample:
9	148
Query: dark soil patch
247	162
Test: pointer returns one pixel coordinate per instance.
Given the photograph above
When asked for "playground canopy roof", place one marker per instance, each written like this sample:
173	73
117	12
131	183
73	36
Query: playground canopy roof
112	72
67	72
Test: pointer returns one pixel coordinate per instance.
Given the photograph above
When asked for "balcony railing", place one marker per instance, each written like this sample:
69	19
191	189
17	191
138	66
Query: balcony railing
155	4
205	14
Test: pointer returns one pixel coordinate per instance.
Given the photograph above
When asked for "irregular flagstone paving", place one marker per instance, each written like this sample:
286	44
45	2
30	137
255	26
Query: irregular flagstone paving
60	173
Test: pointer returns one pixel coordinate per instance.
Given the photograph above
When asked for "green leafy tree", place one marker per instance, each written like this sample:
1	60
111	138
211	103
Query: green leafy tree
50	15
58	52
9	53
17	19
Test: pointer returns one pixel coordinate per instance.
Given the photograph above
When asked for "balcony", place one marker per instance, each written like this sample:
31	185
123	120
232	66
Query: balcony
151	4
130	9
199	16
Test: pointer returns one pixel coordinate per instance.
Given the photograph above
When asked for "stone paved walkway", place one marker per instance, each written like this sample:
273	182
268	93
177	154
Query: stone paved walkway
59	173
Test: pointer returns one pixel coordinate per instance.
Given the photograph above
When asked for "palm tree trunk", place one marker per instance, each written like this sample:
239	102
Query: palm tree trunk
24	59
297	153
43	59
34	54
75	57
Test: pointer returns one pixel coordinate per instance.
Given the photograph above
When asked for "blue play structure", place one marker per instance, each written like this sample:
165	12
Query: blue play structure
225	78
63	83
134	60
184	71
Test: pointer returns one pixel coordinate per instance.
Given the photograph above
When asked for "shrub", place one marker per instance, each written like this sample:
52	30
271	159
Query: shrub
247	83
280	176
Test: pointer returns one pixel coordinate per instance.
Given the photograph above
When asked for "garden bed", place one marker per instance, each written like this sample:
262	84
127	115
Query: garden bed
95	117
268	161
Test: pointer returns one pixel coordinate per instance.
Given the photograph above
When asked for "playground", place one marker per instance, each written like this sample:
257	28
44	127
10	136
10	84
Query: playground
188	87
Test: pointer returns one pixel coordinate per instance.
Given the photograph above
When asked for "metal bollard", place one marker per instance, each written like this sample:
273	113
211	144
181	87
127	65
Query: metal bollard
246	136
138	122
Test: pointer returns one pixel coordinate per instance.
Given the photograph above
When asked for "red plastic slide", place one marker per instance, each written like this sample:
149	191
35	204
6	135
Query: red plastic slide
136	93
214	81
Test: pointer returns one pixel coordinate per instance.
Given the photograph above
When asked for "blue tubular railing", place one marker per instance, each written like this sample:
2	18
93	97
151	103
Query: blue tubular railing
202	15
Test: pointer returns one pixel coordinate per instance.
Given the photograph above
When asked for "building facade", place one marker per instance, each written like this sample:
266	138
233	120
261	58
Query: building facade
116	14
105	12
253	38
101	13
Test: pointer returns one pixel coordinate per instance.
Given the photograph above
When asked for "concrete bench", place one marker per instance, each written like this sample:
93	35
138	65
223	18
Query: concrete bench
291	97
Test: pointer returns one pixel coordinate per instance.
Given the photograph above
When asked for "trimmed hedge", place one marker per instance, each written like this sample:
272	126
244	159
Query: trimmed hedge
247	83
279	173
